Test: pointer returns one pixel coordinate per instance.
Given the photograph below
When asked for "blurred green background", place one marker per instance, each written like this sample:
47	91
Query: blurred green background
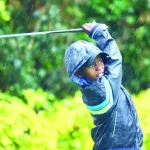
40	108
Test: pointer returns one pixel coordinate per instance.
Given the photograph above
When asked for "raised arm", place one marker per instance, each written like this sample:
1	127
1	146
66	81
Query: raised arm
113	68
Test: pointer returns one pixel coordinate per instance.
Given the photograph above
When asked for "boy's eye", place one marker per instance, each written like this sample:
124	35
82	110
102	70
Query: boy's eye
92	66
95	64
100	60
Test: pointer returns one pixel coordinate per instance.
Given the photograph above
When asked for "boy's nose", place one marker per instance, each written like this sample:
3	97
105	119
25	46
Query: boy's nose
98	68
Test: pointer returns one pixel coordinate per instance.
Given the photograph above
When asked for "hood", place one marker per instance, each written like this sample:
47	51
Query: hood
78	53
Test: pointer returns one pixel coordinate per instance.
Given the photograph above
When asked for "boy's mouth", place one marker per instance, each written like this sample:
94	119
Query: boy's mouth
100	74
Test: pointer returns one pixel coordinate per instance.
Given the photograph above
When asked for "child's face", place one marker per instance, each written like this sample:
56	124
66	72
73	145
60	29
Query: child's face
94	71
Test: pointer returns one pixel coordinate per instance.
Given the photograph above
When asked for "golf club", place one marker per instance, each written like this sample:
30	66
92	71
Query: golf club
39	33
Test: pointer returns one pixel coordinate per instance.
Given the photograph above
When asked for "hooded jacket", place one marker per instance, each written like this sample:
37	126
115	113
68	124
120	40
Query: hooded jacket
110	104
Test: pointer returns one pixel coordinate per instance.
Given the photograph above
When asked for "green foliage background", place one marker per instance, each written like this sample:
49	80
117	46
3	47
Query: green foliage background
54	116
39	121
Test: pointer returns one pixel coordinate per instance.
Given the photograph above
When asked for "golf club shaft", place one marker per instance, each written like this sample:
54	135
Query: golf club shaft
40	33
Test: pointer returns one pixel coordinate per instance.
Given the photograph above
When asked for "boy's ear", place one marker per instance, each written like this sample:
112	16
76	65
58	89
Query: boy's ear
79	74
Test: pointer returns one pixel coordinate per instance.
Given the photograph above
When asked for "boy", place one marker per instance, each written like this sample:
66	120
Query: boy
97	70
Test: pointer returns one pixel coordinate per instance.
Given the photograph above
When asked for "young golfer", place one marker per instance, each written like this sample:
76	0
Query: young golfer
97	70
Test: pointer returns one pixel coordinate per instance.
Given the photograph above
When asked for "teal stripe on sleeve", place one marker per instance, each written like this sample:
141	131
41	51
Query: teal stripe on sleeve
98	107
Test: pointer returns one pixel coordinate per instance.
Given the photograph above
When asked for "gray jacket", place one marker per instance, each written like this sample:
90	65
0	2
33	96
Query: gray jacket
115	118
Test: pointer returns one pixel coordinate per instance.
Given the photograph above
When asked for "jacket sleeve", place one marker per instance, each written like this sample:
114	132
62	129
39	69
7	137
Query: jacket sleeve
98	96
113	68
